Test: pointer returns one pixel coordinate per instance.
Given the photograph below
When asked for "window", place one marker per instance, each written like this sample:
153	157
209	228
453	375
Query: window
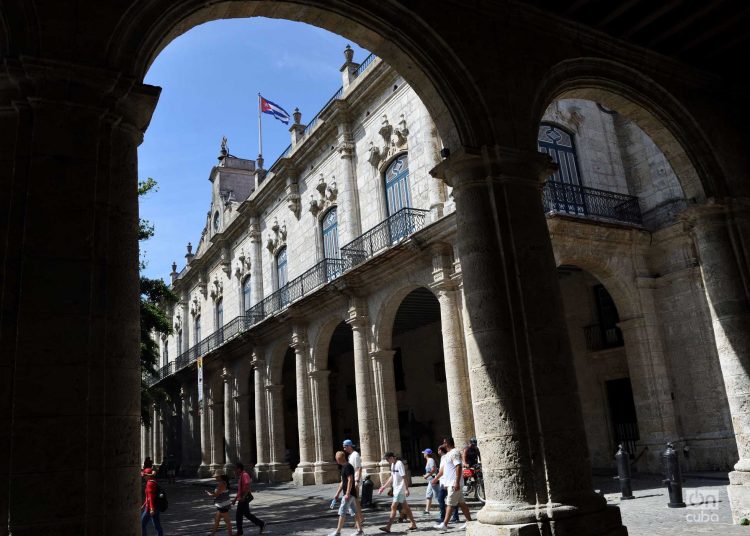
565	183
330	234
397	184
608	318
165	354
197	329
245	294
216	221
219	319
179	342
281	276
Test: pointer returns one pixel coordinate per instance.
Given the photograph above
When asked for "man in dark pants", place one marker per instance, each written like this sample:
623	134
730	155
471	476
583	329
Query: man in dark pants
243	500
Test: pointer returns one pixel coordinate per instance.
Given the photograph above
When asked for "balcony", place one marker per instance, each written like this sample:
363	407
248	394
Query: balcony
383	236
563	198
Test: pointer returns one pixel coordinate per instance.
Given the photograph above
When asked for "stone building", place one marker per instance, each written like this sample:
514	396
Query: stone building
324	299
73	110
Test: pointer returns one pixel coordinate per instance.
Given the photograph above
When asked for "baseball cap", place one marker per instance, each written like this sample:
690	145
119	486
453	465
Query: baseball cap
427	451
348	443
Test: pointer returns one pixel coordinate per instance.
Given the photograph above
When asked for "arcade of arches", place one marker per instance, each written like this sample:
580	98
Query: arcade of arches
73	112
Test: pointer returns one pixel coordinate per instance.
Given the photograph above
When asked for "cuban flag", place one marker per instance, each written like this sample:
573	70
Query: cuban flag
268	107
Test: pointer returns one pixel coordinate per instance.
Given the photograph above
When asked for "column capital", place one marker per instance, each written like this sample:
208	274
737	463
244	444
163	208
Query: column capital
471	166
299	339
258	363
319	374
241	397
274	388
226	375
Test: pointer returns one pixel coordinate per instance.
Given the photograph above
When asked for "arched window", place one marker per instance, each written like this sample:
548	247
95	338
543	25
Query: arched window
397	184
564	186
281	277
197	328
219	316
245	294
179	342
330	228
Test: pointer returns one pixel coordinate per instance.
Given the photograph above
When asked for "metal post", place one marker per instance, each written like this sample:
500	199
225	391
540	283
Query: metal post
673	477
623	473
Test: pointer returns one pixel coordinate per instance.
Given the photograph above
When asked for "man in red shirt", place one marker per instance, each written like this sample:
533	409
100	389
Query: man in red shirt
149	513
243	497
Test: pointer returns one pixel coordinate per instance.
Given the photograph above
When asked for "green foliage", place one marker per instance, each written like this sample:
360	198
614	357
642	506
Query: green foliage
155	297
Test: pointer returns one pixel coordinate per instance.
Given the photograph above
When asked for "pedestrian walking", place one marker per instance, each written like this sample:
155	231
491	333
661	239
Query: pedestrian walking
430	470
355	460
348	502
243	498
440	480
149	512
400	492
453	482
222	501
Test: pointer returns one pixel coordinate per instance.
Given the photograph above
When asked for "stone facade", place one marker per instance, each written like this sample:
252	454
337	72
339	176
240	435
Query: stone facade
376	351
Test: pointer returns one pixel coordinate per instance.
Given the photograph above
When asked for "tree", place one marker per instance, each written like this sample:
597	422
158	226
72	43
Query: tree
155	297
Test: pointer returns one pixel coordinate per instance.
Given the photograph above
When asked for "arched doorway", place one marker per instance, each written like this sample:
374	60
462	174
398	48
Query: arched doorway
342	387
419	372
289	405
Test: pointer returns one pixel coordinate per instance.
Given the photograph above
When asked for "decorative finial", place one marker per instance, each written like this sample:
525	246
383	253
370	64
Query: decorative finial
174	266
224	149
190	248
297	116
348	54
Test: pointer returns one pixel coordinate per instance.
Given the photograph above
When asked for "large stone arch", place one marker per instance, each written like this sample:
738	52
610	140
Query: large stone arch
382	327
276	360
320	339
649	105
388	29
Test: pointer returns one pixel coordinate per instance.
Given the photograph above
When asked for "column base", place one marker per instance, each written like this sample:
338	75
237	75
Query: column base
739	495
279	472
605	522
373	469
229	469
204	471
326	473
261	473
304	474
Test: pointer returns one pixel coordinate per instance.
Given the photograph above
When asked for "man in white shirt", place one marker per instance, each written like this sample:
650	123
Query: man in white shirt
452	478
400	492
356	461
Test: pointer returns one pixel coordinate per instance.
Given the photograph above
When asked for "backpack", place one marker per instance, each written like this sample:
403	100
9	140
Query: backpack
161	502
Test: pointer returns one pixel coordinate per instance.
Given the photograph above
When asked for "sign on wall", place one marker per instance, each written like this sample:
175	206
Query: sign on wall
200	379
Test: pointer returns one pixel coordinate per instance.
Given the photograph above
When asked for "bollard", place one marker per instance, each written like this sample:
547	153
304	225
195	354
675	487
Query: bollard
673	478
623	473
367	487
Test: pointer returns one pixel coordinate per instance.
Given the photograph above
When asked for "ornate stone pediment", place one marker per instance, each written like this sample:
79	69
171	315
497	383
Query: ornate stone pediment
327	193
395	140
277	240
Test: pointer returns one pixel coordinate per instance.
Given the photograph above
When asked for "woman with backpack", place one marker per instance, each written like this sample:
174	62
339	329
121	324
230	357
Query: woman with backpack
149	510
222	502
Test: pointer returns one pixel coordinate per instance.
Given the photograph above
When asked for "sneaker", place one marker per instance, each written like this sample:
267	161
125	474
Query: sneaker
426	513
385	529
439	526
358	533
262	526
462	527
334	534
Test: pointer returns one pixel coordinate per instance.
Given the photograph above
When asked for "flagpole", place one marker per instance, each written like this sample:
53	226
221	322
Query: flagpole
260	130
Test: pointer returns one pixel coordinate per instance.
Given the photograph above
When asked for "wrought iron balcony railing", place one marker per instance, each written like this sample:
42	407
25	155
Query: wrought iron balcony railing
364	65
387	233
580	200
601	338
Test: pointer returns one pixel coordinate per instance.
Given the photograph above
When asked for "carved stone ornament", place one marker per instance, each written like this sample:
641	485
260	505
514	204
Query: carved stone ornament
394	142
202	285
278	239
327	193
293	199
217	289
243	266
226	262
177	322
195	306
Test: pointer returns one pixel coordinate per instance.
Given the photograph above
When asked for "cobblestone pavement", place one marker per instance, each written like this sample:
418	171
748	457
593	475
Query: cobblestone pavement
304	511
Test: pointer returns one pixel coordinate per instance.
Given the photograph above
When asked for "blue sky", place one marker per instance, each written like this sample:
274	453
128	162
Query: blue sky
210	78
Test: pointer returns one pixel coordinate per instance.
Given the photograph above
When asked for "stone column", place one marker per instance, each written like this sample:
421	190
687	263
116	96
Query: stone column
230	432
205	428
349	212
435	187
326	470
217	435
186	435
717	231
367	417
454	357
303	473
526	407
384	379
68	194
278	467
158	428
241	401
261	418
256	246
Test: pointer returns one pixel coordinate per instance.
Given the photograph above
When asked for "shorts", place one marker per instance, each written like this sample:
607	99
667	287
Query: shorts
348	507
454	496
432	491
223	509
399	497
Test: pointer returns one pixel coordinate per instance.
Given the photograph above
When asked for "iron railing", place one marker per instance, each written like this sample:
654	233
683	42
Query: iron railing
384	235
364	65
601	338
316	118
560	197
